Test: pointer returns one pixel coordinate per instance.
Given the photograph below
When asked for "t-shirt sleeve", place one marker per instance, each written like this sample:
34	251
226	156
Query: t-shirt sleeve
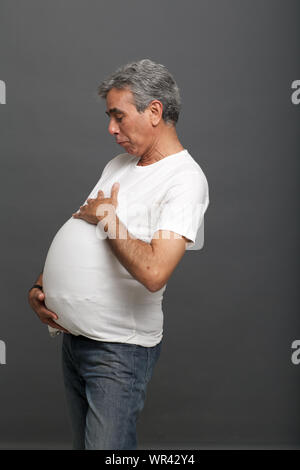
183	207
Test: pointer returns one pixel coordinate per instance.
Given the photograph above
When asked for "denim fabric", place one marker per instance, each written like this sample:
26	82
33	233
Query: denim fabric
105	386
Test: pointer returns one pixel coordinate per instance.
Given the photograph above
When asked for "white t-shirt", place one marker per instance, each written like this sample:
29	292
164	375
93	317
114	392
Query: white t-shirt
84	282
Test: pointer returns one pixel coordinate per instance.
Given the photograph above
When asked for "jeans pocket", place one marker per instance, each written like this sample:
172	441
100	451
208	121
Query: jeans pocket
153	356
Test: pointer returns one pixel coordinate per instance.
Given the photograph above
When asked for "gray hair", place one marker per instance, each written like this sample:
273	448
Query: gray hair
147	81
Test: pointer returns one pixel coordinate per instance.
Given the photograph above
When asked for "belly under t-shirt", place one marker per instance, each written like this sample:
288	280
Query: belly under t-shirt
83	281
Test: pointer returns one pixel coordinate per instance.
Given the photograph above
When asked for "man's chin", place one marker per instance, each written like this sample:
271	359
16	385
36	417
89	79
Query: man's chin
129	149
125	145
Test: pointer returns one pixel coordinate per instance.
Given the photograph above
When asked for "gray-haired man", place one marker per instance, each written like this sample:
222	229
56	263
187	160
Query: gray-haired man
107	267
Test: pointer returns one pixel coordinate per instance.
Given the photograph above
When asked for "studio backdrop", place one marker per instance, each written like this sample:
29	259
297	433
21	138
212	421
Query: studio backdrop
229	370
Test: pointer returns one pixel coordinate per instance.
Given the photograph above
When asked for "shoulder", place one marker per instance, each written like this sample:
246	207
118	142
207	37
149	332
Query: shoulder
187	167
186	180
189	176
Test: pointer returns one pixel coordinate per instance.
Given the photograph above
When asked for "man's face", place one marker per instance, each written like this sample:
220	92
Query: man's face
131	129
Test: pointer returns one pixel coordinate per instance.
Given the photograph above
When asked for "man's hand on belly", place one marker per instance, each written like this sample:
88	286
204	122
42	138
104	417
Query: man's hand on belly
100	209
36	301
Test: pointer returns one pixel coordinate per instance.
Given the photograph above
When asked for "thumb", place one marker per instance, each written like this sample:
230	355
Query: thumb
114	190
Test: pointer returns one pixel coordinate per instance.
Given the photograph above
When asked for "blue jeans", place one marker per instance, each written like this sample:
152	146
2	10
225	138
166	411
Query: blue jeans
105	386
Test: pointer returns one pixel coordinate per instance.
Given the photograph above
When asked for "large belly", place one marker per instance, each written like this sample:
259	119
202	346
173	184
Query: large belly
80	267
86	285
76	259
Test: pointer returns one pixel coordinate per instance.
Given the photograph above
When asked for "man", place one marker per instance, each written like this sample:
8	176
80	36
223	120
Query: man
107	267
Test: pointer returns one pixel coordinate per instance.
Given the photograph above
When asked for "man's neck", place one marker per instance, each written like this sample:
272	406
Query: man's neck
162	148
146	161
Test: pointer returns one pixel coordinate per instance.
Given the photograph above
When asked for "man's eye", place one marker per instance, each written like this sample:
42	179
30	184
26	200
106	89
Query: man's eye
119	119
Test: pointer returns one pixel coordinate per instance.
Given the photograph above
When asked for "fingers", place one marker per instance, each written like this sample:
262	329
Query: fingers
79	213
55	325
49	320
46	316
100	194
114	191
36	297
43	311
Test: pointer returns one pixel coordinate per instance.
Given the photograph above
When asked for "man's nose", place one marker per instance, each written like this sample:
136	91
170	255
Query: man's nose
113	128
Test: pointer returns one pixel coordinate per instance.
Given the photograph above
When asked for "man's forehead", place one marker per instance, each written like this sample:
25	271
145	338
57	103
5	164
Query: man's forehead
118	99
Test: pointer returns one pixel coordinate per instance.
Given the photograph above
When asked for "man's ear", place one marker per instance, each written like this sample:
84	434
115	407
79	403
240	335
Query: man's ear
156	110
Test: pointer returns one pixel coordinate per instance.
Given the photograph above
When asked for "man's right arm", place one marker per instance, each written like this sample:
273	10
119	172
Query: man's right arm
40	279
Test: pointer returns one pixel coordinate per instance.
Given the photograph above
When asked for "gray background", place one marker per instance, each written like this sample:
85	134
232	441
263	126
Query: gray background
225	376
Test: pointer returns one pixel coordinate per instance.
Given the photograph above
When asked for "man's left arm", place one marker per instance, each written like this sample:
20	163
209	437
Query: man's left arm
179	219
